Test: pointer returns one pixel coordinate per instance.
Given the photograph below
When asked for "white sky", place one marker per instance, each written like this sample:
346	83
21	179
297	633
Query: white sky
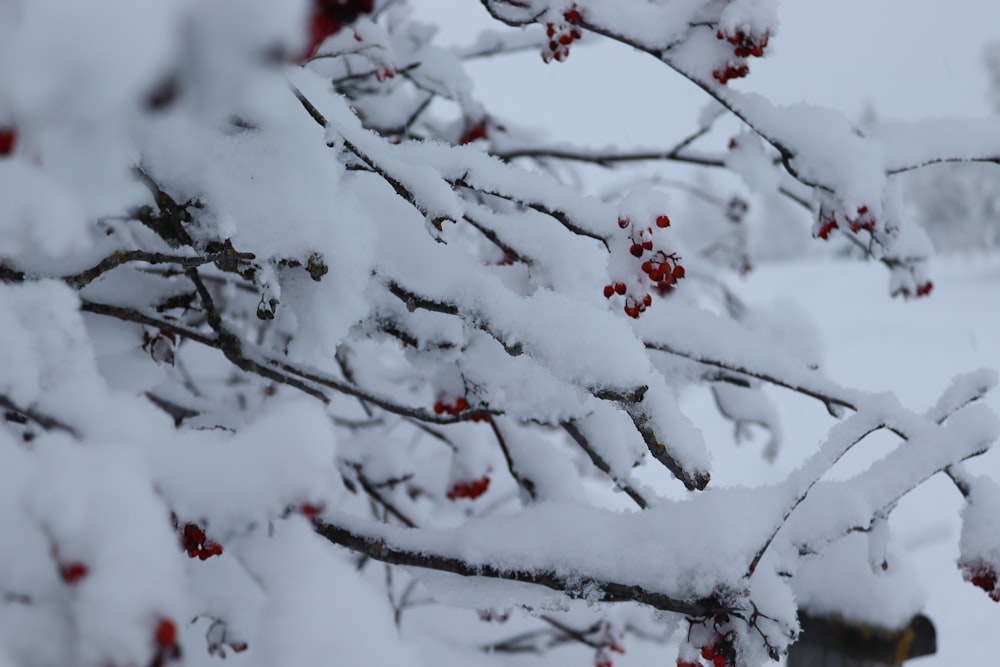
909	58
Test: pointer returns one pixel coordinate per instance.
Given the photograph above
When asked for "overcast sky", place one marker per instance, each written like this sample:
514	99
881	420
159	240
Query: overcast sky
908	58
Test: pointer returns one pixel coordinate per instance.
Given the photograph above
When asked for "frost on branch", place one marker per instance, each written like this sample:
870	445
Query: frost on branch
279	281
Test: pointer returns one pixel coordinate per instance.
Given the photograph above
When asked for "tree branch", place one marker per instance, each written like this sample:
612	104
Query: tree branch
577	585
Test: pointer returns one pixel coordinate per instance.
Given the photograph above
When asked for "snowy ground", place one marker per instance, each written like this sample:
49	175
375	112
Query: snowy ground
912	349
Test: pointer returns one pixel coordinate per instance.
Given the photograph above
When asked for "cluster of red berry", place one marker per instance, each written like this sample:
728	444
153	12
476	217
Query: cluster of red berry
609	643
329	16
729	72
719	650
561	35
454	409
663	269
744	46
459	406
197	545
864	220
8	139
922	290
981	575
471	490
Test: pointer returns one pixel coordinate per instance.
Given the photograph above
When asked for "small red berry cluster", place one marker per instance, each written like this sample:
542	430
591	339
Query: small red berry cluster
196	544
471	489
663	269
329	16
981	575
717	641
609	643
561	35
864	220
744	46
922	290
8	139
460	405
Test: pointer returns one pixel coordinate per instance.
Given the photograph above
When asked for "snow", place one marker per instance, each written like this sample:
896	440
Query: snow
419	317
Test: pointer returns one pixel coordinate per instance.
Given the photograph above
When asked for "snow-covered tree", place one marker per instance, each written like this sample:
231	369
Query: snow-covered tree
958	205
301	345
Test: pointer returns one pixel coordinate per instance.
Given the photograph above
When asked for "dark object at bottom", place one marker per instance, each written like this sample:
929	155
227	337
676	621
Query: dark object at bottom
831	642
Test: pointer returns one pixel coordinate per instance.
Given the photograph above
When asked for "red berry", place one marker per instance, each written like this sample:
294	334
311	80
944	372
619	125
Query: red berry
647	266
609	291
461	404
708	652
621	288
678	272
477	131
572	16
636	250
439	408
719	661
8	138
310	510
73	572
662	221
862	210
647	300
824	231
166	633
647	245
624	222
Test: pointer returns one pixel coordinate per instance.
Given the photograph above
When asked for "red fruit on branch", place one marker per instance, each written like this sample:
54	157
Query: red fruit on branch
573	15
824	231
662	221
473	133
981	575
470	490
166	633
8	139
72	573
196	543
609	291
